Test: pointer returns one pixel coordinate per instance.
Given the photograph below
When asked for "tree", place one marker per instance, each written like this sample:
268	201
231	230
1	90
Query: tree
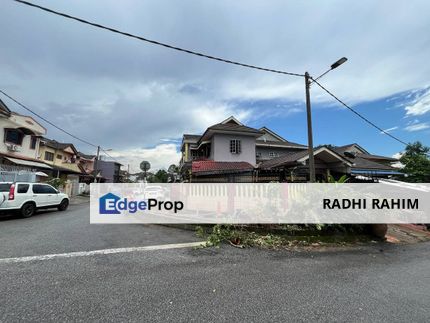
416	163
173	169
159	177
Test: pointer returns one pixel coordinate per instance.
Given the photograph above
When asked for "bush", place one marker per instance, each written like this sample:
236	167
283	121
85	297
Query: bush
56	182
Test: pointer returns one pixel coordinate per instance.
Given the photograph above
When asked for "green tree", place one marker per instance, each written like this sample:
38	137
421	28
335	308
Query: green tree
159	177
416	163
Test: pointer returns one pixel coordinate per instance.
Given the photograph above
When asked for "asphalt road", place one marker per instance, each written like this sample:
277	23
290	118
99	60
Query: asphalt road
380	283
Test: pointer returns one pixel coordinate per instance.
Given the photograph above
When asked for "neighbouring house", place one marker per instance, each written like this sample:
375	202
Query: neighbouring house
109	171
64	159
233	152
86	163
19	147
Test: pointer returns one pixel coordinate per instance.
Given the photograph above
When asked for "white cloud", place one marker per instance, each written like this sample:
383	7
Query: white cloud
398	164
390	129
160	156
127	95
420	105
418	127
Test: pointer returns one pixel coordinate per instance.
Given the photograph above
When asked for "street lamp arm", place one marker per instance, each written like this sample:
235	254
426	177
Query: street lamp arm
332	67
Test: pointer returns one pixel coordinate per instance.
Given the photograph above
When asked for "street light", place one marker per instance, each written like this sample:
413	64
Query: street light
332	67
308	82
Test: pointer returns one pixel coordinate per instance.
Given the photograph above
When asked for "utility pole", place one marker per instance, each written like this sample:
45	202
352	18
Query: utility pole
310	139
96	164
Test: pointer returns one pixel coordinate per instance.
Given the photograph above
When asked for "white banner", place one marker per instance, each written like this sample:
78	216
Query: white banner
241	203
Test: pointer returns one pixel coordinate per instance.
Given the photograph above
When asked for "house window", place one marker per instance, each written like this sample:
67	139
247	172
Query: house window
49	156
235	147
59	156
33	142
272	154
258	155
13	136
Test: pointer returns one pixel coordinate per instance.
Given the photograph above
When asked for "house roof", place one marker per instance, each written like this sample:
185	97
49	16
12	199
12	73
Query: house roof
57	145
299	157
342	149
288	159
86	156
362	163
4	109
286	144
205	167
191	138
235	127
377	157
272	133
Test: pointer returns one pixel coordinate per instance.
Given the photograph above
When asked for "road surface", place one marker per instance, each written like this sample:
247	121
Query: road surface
380	283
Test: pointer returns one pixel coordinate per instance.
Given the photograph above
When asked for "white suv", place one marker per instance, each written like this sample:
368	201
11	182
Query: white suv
26	197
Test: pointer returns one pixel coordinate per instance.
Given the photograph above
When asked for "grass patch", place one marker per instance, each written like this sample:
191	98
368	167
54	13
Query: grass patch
276	237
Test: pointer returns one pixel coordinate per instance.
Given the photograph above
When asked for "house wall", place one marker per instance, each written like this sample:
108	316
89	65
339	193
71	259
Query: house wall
268	137
265	151
24	148
87	165
65	156
220	148
109	170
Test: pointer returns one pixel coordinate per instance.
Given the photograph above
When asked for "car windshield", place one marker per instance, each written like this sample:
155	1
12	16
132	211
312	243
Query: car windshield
4	187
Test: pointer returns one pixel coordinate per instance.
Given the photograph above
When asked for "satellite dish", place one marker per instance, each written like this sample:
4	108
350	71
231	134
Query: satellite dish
145	166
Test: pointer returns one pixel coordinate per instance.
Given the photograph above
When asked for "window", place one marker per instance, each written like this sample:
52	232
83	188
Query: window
43	189
49	189
33	142
258	155
13	136
38	188
4	187
272	154
59	156
235	147
49	156
23	188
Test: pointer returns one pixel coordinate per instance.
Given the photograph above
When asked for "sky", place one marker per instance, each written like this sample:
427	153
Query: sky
139	99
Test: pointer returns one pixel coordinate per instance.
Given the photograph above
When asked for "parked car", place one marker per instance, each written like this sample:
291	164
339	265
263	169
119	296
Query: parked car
25	198
154	192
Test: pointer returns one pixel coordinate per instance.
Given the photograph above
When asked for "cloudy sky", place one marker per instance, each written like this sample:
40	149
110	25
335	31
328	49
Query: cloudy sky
138	99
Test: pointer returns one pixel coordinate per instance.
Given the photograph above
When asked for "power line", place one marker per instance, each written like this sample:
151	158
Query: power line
154	42
46	120
106	153
358	114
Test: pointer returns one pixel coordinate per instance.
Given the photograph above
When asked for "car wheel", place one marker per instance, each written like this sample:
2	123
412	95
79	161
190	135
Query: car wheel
27	210
63	205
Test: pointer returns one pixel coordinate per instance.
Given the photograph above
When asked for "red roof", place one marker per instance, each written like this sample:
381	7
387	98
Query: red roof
210	166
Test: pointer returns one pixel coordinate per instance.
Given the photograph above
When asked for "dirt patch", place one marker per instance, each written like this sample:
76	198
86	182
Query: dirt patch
407	233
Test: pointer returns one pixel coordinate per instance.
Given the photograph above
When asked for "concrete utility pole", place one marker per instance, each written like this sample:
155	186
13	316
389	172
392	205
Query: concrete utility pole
308	82
96	164
310	138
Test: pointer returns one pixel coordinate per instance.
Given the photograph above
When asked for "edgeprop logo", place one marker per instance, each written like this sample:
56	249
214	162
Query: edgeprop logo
113	204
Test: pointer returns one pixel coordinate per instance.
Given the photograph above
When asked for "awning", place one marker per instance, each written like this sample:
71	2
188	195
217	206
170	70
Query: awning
42	174
28	163
375	172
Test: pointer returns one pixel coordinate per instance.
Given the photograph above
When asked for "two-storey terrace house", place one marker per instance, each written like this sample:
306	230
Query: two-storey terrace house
233	152
20	142
63	157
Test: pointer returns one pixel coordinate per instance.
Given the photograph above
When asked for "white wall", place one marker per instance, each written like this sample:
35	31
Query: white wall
24	149
220	150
